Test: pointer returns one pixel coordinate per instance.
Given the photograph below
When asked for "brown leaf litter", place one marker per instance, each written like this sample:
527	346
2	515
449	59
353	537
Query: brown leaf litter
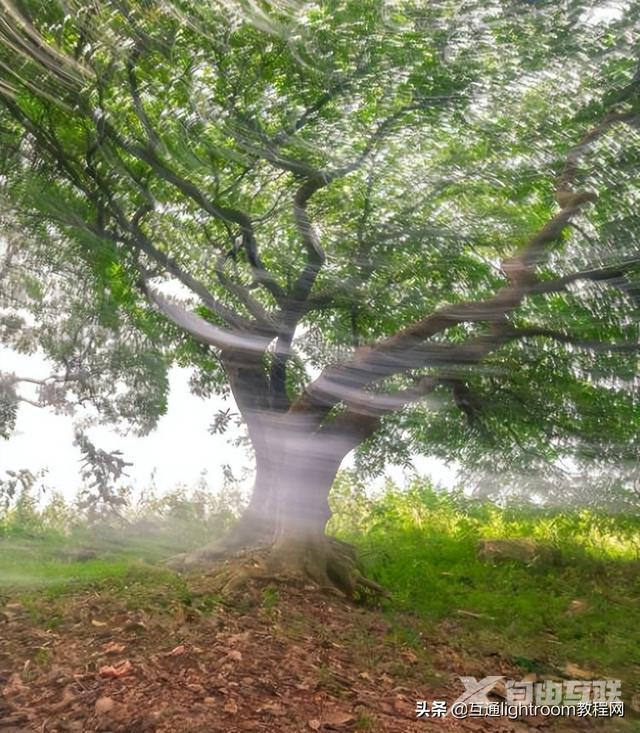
310	662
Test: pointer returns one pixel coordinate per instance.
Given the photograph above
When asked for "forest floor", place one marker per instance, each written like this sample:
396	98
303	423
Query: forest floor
147	650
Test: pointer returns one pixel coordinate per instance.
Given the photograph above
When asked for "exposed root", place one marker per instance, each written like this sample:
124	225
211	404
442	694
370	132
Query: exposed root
326	563
211	555
242	540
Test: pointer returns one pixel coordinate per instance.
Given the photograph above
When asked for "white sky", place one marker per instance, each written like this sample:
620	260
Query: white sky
178	451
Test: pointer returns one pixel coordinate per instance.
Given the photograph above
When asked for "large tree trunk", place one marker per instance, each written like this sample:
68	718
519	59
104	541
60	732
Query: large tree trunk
304	473
295	469
282	532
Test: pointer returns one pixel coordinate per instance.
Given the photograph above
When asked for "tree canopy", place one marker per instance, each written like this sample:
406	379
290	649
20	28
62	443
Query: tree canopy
416	220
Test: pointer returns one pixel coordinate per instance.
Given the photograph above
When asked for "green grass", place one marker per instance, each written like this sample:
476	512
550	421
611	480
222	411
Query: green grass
122	584
31	565
422	545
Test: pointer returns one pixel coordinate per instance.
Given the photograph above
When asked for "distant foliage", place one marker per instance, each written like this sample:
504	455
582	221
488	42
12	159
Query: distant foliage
17	488
421	512
29	509
360	514
108	516
607	486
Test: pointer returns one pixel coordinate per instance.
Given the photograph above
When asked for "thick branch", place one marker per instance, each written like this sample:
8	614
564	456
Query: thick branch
312	182
609	274
147	154
407	350
254	307
202	330
226	214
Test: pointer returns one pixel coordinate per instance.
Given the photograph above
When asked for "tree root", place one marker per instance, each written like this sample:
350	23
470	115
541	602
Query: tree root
327	564
240	541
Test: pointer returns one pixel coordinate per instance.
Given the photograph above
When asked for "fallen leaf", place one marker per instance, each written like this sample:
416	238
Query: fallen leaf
238	638
314	724
577	606
12	611
99	624
119	670
410	656
112	647
250	725
231	707
403	707
108	711
500	690
14	686
275	708
473	614
15	719
104	705
178	651
68	697
135	626
235	655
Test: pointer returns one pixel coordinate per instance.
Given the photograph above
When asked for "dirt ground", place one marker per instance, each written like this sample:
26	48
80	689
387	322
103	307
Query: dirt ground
286	660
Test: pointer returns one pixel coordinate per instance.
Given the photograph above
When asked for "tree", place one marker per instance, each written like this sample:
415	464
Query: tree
384	226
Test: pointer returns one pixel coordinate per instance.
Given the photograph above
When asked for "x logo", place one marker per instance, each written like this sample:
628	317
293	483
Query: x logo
476	692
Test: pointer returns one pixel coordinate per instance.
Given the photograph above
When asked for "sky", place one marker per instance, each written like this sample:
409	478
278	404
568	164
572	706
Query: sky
176	452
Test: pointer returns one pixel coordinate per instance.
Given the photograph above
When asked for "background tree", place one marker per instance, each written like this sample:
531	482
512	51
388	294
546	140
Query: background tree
386	226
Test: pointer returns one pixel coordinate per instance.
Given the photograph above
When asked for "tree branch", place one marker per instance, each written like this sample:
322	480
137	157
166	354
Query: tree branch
202	330
407	350
262	316
226	214
608	274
